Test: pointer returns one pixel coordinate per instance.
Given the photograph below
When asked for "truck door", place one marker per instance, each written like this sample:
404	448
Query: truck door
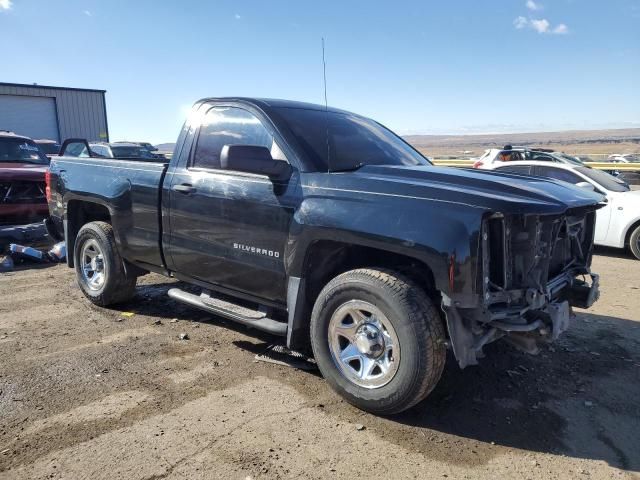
230	228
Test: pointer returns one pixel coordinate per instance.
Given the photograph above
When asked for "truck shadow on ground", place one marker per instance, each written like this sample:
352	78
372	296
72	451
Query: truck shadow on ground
153	300
578	397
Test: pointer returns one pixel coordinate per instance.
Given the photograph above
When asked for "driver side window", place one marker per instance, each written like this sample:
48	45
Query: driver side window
230	126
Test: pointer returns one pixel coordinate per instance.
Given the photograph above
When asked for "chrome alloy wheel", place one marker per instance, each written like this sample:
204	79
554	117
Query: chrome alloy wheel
363	344
93	268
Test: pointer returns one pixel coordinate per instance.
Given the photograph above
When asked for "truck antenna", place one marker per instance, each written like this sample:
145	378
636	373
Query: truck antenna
326	107
324	74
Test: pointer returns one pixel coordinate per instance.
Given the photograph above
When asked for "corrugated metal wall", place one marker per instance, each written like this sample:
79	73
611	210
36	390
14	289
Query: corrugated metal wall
81	113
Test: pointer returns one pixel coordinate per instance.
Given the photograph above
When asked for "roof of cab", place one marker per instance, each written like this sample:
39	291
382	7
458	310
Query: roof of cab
267	103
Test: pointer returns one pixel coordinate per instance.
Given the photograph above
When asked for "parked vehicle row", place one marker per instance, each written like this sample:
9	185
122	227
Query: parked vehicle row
124	150
327	228
617	223
23	165
624	158
22	180
512	154
628	176
495	156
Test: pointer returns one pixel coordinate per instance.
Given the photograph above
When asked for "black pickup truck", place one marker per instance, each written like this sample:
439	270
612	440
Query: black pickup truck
326	228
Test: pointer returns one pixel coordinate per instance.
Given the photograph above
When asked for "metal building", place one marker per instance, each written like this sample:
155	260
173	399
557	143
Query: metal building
54	113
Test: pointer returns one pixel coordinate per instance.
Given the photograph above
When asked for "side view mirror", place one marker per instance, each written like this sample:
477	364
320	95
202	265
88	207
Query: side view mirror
254	159
586	186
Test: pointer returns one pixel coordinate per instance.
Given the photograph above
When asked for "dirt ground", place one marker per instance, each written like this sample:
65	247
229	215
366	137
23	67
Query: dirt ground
94	393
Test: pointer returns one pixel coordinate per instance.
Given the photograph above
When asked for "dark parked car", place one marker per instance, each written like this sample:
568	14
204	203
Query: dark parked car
153	151
122	150
22	180
326	228
146	145
48	147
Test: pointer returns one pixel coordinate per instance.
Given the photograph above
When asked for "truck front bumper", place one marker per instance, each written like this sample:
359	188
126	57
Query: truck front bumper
525	318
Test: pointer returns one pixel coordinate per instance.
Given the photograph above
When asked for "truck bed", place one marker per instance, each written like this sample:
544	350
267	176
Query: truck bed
130	190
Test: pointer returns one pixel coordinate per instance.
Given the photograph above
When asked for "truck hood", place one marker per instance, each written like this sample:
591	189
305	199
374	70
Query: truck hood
499	192
12	171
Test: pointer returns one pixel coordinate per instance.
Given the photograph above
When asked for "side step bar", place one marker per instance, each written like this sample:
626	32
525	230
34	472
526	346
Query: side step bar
231	311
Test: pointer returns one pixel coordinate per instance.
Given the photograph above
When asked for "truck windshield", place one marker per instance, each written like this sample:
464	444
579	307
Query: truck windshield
21	150
337	141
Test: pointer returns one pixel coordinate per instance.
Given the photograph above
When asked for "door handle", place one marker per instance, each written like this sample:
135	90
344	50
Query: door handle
185	188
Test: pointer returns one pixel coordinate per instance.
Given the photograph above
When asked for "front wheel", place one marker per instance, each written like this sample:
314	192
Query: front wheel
634	242
99	268
378	340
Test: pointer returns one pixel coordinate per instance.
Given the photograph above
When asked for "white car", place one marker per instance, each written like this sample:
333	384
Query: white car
492	156
623	158
618	223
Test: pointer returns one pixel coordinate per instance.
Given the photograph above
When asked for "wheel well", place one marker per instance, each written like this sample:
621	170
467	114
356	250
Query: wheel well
80	213
627	237
327	259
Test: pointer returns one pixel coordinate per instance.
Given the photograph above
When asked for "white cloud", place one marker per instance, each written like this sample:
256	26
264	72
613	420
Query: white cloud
533	6
520	22
5	4
541	26
237	16
561	29
87	13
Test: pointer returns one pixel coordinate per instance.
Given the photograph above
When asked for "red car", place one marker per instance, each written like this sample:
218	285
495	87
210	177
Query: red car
22	180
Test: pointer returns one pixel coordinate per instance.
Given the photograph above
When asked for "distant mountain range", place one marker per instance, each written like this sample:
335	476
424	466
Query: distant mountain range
537	138
623	140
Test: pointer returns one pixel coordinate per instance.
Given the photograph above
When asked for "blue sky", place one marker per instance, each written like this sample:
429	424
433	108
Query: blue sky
466	66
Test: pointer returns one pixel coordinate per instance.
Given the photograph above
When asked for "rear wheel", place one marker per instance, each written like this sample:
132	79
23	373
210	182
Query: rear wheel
634	242
99	268
378	340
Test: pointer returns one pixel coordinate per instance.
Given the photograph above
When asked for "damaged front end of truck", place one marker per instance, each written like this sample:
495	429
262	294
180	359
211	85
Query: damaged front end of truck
532	270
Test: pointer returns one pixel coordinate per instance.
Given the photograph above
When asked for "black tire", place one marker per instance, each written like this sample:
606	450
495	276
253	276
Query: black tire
417	324
117	286
634	242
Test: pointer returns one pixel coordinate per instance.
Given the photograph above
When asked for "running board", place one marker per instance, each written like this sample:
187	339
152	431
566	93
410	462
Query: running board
250	318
